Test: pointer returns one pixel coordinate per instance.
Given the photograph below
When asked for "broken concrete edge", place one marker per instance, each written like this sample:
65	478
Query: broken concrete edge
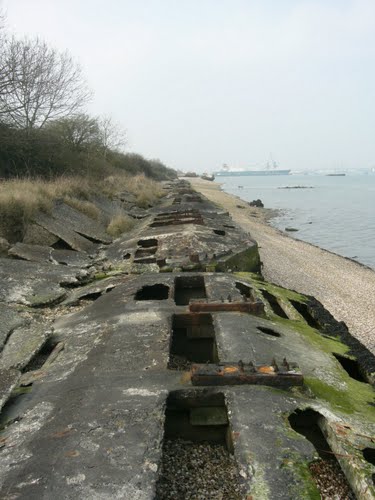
9	380
358	399
23	345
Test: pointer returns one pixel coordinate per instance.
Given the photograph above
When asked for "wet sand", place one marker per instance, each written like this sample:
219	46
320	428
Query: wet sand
344	287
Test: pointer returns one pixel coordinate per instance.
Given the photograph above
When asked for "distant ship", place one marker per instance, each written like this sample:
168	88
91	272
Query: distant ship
271	169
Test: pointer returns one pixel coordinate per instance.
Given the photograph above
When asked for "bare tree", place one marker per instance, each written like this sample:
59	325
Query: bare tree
79	132
4	73
112	135
40	84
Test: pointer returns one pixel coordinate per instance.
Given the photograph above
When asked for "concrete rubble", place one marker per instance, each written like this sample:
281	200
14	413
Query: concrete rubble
182	290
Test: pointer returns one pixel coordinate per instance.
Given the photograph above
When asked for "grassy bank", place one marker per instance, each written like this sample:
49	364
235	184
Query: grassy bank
20	199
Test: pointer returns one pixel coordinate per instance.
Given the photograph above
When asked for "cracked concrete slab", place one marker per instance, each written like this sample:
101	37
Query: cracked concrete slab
65	233
39	253
80	223
35	284
23	344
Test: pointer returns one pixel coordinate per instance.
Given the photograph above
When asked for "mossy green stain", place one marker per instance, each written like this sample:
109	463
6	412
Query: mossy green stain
355	399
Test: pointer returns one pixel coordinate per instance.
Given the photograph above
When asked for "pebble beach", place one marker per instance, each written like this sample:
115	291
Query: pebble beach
345	287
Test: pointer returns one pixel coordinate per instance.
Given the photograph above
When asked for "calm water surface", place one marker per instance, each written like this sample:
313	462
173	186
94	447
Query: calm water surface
335	213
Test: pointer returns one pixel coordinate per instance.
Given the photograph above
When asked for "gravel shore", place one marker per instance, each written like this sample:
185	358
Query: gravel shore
344	287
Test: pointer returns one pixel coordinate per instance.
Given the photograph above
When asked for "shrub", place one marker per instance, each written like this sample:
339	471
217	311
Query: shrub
119	224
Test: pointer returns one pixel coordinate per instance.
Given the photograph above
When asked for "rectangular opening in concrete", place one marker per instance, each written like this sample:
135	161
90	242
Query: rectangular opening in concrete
145	260
193	341
197	460
187	288
304	311
153	292
326	471
275	306
145	252
177	222
147	243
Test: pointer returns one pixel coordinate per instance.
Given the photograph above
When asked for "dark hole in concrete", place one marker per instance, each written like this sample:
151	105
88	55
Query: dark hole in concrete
369	455
95	295
152	292
92	296
193	340
145	252
275	306
305	313
197	460
127	256
230	227
178	222
15	407
197	417
187	288
40	357
307	423
145	260
351	367
151	242
219	232
244	290
61	245
268	331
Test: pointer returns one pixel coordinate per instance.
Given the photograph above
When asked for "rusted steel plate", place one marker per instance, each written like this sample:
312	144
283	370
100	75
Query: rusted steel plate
285	375
244	307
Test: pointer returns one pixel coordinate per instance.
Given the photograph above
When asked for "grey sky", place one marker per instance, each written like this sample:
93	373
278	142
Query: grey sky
202	83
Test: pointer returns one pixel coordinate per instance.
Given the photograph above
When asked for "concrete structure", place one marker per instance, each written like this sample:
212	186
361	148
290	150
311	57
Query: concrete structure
88	410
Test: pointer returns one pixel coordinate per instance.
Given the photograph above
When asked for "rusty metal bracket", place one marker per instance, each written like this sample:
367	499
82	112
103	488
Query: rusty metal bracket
284	375
256	308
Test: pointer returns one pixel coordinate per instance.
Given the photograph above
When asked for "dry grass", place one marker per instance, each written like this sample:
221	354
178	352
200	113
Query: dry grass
119	224
146	191
21	199
86	207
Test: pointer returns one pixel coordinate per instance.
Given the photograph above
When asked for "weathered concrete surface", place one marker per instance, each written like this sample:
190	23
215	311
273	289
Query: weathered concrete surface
10	319
36	284
189	236
8	381
39	253
73	239
91	425
72	436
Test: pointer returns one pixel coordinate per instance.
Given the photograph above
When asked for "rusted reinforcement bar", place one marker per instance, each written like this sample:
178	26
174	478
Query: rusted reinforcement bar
285	375
244	307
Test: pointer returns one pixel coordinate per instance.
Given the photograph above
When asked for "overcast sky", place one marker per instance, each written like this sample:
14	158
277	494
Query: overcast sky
199	83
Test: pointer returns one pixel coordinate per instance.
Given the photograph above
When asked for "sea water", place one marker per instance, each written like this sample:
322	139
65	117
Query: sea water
336	213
